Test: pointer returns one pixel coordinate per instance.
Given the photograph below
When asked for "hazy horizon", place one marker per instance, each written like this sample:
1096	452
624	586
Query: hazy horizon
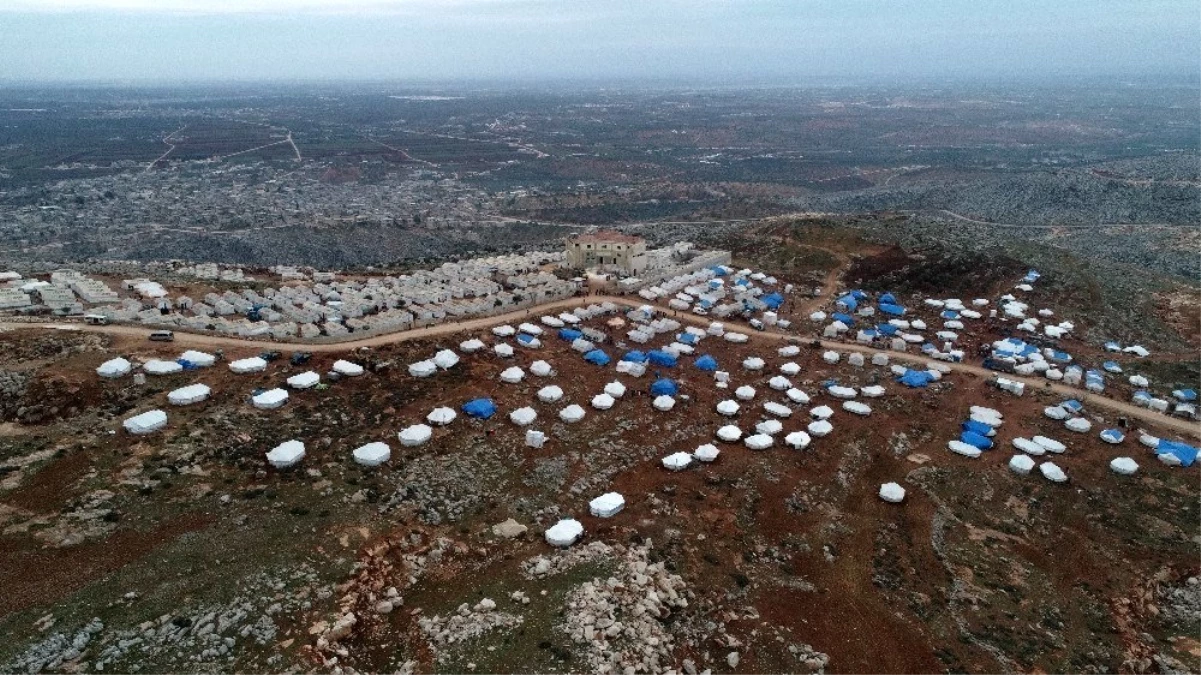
770	42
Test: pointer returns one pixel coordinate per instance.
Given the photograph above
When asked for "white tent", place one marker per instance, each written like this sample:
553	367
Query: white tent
872	391
769	427
471	346
777	409
798	440
114	368
160	367
582	346
535	439
819	428
542	369
831	357
736	338
1052	472
607	505
677	461
789	351
1029	447
1078	424
552	321
1050	445
286	454
797	396
1148	440
753	363
270	399
664	403
146	423
728	408
615	389
790	368
251	365
892	493
1021	464
523	416
564	533
305	380
502	350
745	392
960	448
423	368
603	401
198	359
822	412
347	368
758	442
842	392
418	434
512	375
193	393
706	453
1056	412
445	359
572	413
857	408
532	329
729	433
779	383
1124	466
550	393
372	454
879	359
441	416
504	330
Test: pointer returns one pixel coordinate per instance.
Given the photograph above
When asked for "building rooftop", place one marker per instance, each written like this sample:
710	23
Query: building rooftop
606	237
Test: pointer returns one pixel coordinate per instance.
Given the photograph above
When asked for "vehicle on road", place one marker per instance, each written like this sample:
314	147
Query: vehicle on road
162	336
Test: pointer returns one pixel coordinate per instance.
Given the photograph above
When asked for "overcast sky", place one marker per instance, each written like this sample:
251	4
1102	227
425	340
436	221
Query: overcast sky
724	41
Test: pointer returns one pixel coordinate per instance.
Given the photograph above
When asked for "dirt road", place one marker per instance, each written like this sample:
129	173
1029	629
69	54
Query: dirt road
217	341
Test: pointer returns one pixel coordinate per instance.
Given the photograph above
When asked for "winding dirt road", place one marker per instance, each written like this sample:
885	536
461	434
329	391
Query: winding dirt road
218	341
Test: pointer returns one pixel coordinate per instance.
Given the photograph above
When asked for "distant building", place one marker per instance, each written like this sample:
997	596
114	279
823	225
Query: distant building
607	250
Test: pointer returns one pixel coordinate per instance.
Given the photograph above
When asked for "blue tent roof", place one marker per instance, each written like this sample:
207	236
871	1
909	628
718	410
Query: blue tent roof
1072	405
634	357
743	282
888	299
706	362
949	314
569	334
1061	357
773	300
719	270
482	408
664	387
845	318
975	439
975	427
1113	435
686	338
848	302
1187	454
894	310
1185	394
887	329
597	357
525	339
661	358
915	378
858	294
929	348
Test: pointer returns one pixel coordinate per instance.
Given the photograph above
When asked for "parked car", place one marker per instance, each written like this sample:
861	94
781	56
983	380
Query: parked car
162	336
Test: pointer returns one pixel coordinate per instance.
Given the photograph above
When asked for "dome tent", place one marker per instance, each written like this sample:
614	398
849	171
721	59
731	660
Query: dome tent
114	368
664	387
418	434
706	453
1050	444
160	367
706	363
677	461
664	403
286	454
512	375
523	416
572	413
471	346
1052	472
798	440
446	359
564	533
372	454
615	389
820	428
729	433
603	401
480	408
542	369
348	369
197	359
961	448
550	393
597	357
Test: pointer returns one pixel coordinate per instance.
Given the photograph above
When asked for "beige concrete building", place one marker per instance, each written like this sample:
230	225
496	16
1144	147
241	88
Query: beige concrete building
607	251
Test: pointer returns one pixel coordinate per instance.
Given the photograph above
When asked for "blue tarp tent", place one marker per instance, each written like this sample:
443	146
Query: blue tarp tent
1060	357
773	300
1187	454
847	302
1142	396
887	329
915	378
187	365
661	358
686	338
634	357
845	318
719	270
569	334
975	427
1185	394
1072	405
743	282
929	348
975	439
525	339
888	299
949	314
706	362
891	309
664	387
483	408
1113	436
597	357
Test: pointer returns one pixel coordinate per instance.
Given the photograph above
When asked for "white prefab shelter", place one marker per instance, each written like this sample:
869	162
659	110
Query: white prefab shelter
1052	472
615	389
550	393
758	441
798	440
114	368
193	393
1078	424
441	416
728	408
305	380
892	493
1124	466
523	416
160	367
372	454
745	392
270	399
677	461
572	413
512	375
347	368
471	346
790	368
857	408
1029	447
797	396
706	453
769	427
286	455
960	448
779	383
146	423
504	330
1021	464
198	359
819	428
253	364
423	368
541	369
729	433
1050	445
564	533
607	505
603	401
535	439
502	350
415	435
664	403
445	359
